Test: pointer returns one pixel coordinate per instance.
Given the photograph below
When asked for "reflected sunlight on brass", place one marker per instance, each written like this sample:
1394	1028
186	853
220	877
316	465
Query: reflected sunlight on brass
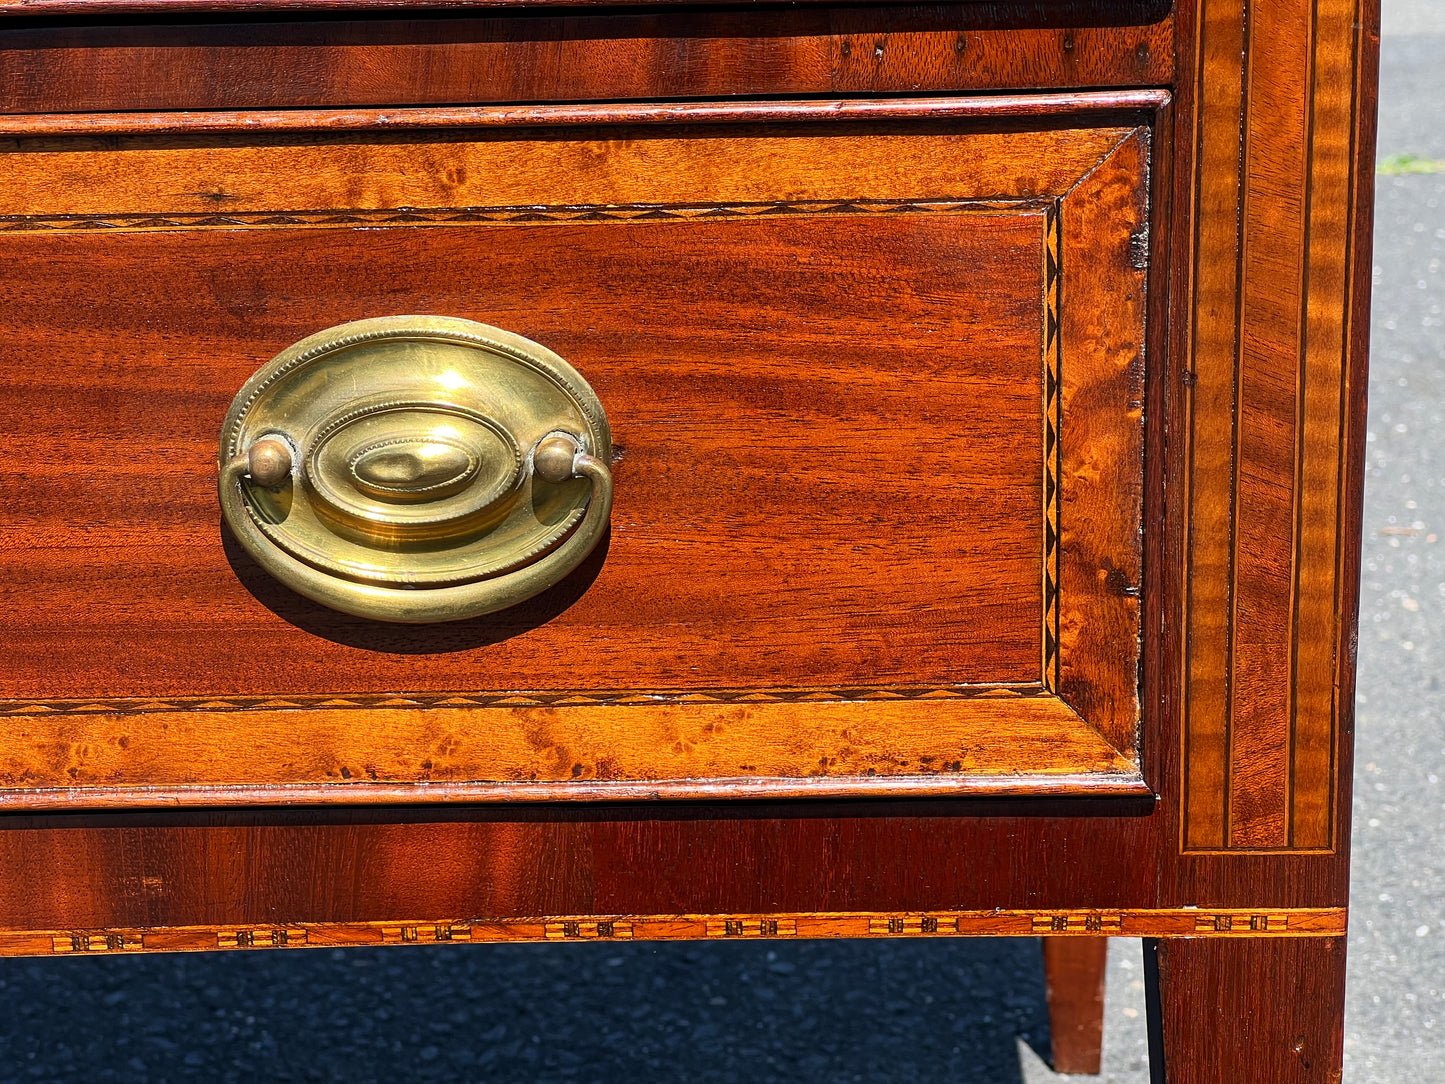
385	468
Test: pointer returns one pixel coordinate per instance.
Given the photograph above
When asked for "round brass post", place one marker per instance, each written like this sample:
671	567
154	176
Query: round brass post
268	462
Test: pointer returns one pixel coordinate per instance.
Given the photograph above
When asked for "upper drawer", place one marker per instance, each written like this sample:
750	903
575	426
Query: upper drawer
1073	12
874	374
541	54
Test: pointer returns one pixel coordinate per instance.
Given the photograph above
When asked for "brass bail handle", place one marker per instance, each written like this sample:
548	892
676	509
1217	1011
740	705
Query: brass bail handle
417	469
268	463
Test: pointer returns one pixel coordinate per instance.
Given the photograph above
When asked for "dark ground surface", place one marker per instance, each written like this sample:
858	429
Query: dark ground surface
815	1012
802	1011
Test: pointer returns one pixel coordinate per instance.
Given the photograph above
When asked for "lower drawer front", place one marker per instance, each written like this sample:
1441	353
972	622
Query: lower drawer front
875	391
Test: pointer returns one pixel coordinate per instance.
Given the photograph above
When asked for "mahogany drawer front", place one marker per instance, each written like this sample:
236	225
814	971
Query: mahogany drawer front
529	52
875	385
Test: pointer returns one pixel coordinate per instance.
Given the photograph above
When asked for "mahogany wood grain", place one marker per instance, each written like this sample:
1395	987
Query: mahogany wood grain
1274	372
1208	389
748	51
347	865
1255	1009
1105	11
1360	122
1327	435
922	547
1074	986
1253	392
1273	208
903	571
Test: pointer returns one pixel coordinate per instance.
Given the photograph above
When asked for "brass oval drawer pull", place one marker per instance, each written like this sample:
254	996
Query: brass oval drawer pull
416	468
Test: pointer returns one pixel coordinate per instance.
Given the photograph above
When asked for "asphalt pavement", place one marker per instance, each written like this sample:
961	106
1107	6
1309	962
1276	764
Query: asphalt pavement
812	1012
1395	1027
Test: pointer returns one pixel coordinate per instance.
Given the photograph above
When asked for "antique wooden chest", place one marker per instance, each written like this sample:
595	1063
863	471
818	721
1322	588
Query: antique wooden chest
483	472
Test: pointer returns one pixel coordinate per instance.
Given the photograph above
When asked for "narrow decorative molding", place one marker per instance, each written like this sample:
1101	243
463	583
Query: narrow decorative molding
472	216
514	699
585	114
1136	922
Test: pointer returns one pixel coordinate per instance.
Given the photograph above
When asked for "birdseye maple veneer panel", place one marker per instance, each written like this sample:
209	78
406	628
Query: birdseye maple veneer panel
876	395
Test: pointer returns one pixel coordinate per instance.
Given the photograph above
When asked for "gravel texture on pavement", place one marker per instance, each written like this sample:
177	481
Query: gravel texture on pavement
1395	1026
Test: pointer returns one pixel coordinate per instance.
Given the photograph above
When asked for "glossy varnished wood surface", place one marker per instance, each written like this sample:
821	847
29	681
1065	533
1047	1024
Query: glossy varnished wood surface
190	122
862	368
1253	403
1073	950
714	420
747	748
175	869
1307	878
300	173
1100	10
1158	753
1103	352
750	51
1074	986
1275	379
1224	998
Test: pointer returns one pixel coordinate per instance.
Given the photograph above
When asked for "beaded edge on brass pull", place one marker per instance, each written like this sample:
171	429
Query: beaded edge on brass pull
395	530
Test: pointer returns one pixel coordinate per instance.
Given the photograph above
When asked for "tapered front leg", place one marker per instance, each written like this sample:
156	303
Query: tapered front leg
1256	1009
1074	979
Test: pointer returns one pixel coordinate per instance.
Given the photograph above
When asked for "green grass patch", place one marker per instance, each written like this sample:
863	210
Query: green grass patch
1401	165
